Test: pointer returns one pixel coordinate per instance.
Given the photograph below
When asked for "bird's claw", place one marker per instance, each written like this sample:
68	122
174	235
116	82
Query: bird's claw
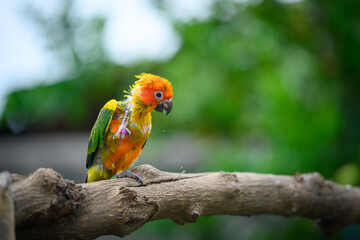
122	132
130	174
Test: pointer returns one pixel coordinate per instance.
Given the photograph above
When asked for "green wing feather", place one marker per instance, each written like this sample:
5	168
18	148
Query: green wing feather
99	130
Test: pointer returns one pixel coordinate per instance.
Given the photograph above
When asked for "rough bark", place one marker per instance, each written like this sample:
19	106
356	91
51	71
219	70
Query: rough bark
7	212
47	206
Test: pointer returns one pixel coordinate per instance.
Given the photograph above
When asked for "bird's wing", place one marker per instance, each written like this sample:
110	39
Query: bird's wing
99	130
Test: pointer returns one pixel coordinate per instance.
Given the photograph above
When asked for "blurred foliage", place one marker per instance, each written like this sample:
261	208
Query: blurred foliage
273	87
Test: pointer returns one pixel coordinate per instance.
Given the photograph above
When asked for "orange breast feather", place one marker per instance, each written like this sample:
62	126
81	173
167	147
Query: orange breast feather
118	155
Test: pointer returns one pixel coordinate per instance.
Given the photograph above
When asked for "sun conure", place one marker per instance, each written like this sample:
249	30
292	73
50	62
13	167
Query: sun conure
122	128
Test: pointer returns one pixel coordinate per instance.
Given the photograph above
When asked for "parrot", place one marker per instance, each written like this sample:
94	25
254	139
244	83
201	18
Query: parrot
123	127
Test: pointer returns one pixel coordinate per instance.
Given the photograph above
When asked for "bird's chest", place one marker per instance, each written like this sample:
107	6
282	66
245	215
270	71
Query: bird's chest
120	153
138	133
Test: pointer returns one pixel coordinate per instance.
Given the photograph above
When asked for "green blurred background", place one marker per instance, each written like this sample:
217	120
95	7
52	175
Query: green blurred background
260	86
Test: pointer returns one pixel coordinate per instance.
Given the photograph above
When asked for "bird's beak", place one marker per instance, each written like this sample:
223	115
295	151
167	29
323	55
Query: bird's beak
164	107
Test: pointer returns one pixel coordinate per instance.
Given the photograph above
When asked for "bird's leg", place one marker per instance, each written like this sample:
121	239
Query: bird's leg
130	174
123	130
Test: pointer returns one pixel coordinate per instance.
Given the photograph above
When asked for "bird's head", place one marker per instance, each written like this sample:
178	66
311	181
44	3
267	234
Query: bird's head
152	92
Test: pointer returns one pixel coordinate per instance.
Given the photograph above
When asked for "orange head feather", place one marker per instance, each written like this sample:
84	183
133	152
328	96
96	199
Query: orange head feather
150	90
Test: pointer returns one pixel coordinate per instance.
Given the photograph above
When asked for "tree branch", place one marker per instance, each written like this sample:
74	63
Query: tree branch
51	207
7	211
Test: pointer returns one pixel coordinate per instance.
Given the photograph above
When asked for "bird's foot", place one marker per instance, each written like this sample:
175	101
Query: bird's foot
130	174
122	132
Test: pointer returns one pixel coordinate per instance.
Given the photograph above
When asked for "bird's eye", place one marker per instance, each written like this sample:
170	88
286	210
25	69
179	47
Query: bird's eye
158	95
